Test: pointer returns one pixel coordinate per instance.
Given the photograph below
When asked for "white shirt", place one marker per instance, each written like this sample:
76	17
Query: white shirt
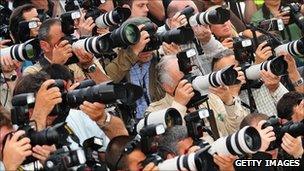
84	128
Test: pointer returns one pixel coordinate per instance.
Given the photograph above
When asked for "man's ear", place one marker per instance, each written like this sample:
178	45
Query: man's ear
45	46
126	6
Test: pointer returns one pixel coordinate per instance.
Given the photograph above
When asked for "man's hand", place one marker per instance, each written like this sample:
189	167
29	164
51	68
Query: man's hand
62	52
46	99
43	152
178	20
151	167
141	44
228	43
184	92
224	93
171	49
235	89
267	135
203	33
15	151
85	58
225	162
262	53
5	60
270	80
292	146
85	26
96	111
284	16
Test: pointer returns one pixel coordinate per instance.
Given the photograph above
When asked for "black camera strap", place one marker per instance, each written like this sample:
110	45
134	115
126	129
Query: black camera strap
198	46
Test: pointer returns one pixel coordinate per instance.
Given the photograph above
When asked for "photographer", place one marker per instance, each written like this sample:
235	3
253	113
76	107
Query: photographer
85	125
228	112
205	44
141	69
57	50
272	9
266	96
117	160
175	141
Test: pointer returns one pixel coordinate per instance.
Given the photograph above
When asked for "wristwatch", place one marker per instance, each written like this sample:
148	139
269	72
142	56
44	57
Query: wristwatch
92	68
298	83
11	78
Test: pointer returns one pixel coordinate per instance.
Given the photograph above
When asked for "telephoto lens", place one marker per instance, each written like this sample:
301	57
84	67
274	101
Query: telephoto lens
188	11
214	16
113	18
48	136
181	35
277	66
105	93
29	50
294	48
225	77
245	141
127	34
168	117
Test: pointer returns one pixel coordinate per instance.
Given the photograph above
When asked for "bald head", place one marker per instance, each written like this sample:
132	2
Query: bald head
177	5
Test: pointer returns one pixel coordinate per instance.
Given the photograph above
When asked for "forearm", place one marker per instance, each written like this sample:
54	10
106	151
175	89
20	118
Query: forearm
121	65
156	8
250	9
98	76
295	76
114	128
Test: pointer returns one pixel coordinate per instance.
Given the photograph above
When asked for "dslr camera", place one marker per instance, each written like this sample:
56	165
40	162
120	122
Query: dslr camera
181	35
294	11
295	129
82	159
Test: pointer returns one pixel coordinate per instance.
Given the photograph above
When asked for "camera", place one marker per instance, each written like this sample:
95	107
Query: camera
24	28
215	16
274	24
294	11
84	158
245	141
29	50
113	18
294	48
224	77
106	93
181	35
127	34
277	66
67	21
168	117
184	60
295	129
194	124
143	136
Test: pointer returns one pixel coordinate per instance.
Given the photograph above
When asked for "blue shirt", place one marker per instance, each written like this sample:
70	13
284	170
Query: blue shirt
139	75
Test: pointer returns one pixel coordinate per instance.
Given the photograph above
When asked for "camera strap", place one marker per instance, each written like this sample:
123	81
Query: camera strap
198	46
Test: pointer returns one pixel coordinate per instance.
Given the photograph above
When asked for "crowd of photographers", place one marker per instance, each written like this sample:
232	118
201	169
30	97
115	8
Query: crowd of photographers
151	84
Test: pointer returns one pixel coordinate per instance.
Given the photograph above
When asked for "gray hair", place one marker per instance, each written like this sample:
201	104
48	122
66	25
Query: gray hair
162	70
44	30
219	55
172	136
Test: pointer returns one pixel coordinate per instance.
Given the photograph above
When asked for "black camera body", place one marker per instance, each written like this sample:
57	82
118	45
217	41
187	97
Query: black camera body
295	129
181	35
65	159
294	10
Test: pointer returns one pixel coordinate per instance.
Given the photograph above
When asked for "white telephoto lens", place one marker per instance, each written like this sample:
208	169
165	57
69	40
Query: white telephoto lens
201	83
5	52
157	117
79	44
219	146
253	72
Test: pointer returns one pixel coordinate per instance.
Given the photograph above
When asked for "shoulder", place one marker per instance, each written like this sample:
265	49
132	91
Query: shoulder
257	16
32	69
